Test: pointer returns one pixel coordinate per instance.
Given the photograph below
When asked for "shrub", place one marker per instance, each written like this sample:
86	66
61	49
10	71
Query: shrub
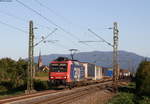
13	73
3	88
41	85
145	100
122	98
143	79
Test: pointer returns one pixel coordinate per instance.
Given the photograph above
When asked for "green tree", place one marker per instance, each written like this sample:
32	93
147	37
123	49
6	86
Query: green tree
7	66
143	78
13	72
19	74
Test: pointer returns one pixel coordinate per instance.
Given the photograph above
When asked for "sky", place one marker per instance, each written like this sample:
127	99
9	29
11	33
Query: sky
72	18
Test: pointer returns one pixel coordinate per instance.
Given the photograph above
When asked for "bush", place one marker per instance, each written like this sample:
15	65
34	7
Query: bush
143	79
3	88
41	85
145	100
6	84
122	98
13	73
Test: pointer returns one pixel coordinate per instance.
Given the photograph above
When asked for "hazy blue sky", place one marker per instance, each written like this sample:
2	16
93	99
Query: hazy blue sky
75	16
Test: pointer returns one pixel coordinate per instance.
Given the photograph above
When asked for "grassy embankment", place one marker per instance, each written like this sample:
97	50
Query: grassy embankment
40	83
6	90
127	95
4	94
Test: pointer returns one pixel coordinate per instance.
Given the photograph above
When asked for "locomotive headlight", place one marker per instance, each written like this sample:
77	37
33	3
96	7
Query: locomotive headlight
65	77
52	77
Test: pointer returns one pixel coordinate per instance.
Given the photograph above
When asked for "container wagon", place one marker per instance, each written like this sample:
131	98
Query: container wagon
107	72
89	70
92	72
98	72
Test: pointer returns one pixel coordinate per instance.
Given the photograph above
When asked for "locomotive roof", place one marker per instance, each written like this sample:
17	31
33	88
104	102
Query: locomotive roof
64	59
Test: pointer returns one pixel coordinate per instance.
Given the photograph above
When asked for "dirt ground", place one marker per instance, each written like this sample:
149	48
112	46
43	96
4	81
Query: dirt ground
100	97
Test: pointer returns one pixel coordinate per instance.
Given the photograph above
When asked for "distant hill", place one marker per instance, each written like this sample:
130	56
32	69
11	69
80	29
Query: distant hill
127	60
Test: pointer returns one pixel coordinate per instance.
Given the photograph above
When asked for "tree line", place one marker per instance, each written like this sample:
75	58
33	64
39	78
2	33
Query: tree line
12	73
143	78
13	76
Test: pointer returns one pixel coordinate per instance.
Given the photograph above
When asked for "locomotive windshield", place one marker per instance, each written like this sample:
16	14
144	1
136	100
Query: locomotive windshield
58	67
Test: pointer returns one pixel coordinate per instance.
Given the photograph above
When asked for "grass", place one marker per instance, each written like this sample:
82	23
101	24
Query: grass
9	93
6	91
127	95
122	98
42	74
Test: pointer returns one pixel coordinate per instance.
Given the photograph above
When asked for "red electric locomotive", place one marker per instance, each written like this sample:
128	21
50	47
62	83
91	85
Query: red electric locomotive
64	71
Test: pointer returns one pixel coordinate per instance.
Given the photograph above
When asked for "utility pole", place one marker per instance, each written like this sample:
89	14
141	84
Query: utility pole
30	69
115	55
115	52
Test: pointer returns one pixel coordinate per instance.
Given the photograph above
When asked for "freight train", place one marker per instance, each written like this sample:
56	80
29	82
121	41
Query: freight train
64	71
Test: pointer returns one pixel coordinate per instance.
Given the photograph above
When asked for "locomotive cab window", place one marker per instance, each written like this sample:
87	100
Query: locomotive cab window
58	67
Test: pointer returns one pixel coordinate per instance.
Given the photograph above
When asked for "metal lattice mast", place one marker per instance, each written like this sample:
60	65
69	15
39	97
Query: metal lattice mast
115	60
30	60
115	55
32	70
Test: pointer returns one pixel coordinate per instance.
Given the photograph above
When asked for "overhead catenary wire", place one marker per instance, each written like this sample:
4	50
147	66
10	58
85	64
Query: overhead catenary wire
58	45
21	19
57	14
68	21
61	46
100	37
45	37
13	16
89	41
48	20
52	11
13	27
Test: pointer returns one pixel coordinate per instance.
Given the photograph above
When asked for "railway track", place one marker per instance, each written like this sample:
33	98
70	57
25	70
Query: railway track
70	97
58	97
25	96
